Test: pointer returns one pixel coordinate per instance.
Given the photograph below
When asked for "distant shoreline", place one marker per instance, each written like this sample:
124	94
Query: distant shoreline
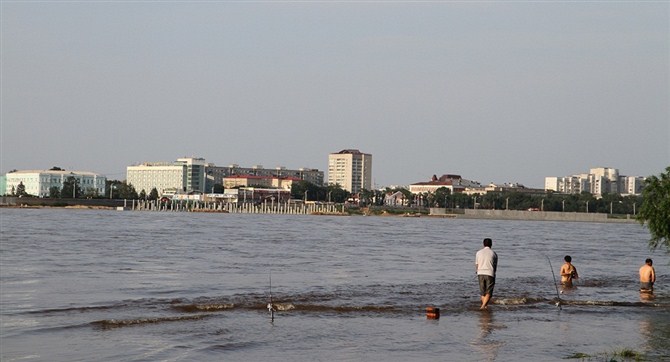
98	204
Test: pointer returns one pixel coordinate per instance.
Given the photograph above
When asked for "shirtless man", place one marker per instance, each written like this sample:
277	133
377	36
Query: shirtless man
568	272
647	276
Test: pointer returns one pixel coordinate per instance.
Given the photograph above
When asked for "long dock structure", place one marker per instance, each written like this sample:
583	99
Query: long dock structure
235	208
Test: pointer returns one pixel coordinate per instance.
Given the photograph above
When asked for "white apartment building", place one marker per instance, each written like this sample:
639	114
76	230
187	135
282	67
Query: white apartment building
604	180
569	184
632	185
39	182
351	169
161	175
598	181
185	174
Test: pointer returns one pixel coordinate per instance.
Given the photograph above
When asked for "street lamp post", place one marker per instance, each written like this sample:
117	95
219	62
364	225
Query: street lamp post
74	188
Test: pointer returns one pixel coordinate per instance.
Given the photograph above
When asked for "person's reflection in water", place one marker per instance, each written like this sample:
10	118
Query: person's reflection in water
646	297
484	341
485	324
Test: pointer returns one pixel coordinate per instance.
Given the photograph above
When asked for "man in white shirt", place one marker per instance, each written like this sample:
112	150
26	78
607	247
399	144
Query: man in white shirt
486	263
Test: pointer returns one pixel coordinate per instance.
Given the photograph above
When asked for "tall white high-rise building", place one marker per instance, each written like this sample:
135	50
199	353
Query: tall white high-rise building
604	180
351	169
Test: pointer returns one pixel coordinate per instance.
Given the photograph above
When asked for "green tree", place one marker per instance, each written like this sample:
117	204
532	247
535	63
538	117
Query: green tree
120	190
143	195
366	197
21	190
308	191
335	193
54	192
91	192
655	209
71	189
153	194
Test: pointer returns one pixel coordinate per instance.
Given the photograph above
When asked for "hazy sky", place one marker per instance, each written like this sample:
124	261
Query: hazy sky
496	92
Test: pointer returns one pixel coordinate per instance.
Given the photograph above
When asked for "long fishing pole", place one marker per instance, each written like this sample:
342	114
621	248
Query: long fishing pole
271	307
558	295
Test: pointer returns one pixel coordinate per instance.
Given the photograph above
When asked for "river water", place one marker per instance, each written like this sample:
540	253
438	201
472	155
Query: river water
84	285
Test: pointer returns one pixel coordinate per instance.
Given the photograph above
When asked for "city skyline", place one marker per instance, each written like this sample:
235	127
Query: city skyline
179	161
496	92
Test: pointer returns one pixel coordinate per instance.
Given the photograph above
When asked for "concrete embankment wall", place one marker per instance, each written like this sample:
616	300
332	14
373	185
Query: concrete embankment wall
532	215
37	202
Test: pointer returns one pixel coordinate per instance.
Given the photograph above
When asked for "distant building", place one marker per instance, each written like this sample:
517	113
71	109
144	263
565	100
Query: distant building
39	182
351	169
216	174
256	195
599	181
195	175
631	185
237	181
185	174
395	199
454	183
507	187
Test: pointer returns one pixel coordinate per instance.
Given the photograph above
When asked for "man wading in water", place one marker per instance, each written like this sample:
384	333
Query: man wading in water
486	263
647	277
568	272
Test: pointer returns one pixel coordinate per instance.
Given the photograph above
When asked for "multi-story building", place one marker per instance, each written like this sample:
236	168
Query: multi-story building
216	174
185	175
454	183
604	180
195	175
569	184
39	182
351	169
3	184
599	181
632	185
236	181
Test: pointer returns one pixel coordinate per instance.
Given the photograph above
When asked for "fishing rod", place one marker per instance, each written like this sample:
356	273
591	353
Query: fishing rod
558	295
271	307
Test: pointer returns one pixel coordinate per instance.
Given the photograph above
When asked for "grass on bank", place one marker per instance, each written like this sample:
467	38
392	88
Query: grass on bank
620	355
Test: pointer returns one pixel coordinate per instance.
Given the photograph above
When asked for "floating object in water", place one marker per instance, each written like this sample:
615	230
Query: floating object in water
432	313
271	307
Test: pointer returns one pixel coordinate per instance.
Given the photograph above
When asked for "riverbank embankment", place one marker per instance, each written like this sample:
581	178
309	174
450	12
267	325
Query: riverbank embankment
315	209
534	215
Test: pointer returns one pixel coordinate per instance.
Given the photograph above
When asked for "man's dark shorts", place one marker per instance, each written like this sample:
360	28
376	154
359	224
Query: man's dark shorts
646	286
486	284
